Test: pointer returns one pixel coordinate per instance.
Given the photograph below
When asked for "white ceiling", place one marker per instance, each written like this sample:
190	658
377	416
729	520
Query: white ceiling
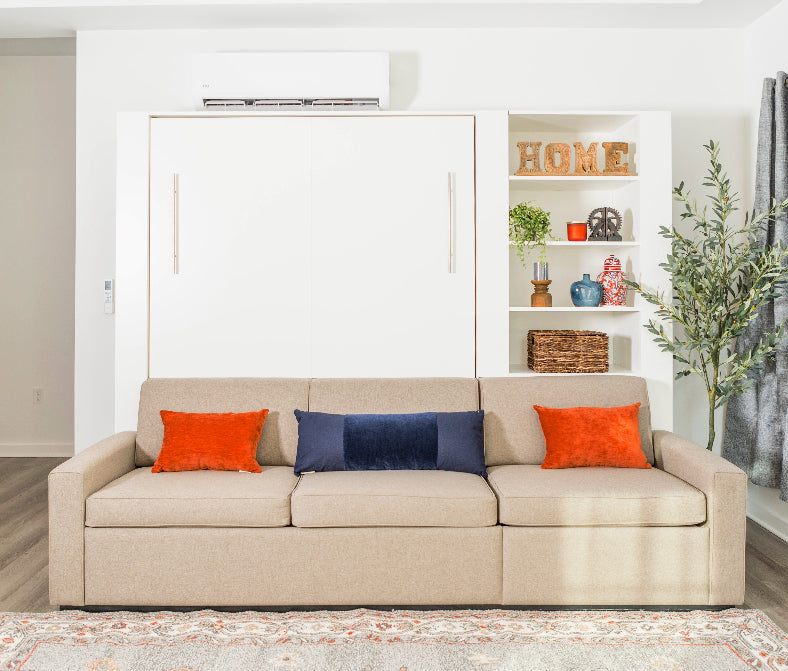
62	18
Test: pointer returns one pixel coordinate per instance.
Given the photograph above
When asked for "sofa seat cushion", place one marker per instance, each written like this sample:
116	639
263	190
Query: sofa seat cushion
393	499
533	496
194	498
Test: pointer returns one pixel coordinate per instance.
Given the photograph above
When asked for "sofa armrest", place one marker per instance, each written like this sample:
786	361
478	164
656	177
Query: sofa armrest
69	485
725	487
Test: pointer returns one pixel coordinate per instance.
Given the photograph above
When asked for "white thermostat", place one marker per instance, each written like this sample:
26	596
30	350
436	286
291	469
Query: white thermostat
109	297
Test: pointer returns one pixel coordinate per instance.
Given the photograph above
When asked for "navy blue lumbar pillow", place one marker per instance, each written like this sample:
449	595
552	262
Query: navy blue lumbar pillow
391	442
449	441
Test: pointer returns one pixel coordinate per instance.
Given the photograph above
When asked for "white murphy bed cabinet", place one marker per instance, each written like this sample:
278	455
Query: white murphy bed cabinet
312	247
229	243
367	244
393	270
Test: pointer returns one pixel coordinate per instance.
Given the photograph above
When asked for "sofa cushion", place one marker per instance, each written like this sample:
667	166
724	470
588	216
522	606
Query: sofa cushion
393	395
450	441
194	498
532	496
215	441
277	446
512	434
592	437
393	499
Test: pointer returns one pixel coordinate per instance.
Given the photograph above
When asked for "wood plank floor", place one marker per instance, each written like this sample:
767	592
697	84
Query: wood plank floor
766	570
23	533
23	547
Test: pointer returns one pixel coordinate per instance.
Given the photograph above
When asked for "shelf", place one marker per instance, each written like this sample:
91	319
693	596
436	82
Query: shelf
571	183
589	243
520	370
602	308
524	121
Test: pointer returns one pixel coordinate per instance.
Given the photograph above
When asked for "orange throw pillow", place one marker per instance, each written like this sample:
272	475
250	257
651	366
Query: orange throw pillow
196	441
592	437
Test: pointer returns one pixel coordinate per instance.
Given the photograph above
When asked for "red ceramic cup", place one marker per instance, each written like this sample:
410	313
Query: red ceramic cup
576	231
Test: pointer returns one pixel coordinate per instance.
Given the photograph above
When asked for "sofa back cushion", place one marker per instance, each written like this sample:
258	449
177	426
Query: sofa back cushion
393	395
512	433
279	439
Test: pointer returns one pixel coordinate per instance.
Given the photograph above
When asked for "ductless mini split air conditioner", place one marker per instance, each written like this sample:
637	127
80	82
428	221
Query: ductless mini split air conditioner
270	80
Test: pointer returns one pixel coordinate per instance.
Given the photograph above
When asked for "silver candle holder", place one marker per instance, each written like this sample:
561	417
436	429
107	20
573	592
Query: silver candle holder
541	270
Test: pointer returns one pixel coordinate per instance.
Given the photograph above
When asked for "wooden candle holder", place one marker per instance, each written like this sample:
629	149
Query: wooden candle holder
541	298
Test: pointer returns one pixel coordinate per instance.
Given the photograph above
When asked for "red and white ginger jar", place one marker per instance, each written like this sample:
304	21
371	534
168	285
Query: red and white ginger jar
614	291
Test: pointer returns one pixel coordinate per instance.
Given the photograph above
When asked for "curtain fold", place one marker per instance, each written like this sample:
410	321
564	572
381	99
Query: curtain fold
756	426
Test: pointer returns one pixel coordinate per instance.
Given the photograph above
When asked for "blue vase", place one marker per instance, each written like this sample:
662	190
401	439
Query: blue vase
586	293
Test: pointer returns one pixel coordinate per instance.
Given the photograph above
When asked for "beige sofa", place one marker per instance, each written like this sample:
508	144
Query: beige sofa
122	536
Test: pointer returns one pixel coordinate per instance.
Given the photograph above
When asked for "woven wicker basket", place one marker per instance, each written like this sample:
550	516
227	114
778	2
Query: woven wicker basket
567	351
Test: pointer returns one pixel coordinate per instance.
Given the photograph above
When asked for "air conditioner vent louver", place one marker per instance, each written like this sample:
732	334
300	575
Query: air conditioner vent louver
274	102
224	104
347	102
289	103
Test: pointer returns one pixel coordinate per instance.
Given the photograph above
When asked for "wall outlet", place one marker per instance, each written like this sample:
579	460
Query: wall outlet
38	394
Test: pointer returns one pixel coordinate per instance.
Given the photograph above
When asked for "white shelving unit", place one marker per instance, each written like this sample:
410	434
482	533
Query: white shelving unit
644	201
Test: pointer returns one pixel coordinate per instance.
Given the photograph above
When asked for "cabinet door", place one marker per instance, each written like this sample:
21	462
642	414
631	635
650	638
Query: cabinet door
238	303
385	299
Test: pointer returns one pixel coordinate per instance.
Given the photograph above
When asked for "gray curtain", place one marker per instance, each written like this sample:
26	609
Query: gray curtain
756	427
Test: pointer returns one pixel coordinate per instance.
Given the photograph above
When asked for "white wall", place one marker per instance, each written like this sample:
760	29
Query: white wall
430	69
37	137
766	55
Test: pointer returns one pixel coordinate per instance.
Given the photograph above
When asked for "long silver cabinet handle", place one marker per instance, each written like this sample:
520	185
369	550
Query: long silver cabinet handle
452	222
175	223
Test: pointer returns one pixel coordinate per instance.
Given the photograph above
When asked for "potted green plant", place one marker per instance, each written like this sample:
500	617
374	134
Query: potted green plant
529	228
721	275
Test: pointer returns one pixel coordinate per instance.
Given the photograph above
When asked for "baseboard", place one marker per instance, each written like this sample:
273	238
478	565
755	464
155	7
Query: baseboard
769	519
36	449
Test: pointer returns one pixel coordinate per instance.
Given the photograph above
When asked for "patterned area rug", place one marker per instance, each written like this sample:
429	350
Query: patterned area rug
367	640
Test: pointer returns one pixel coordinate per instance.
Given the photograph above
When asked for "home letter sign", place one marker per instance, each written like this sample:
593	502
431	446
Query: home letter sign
613	151
529	153
557	159
550	152
585	161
